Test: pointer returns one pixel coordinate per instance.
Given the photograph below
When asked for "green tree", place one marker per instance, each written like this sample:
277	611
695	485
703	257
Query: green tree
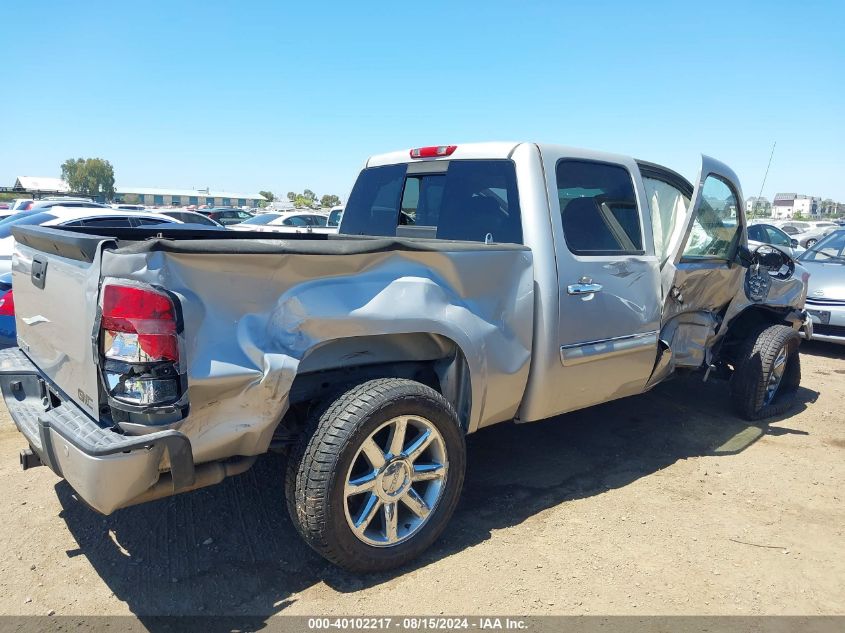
268	195
89	176
291	196
329	200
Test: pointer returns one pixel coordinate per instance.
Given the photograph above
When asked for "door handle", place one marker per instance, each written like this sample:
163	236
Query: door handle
583	289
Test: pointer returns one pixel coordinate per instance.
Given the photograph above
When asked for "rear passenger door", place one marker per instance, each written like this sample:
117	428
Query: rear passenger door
609	278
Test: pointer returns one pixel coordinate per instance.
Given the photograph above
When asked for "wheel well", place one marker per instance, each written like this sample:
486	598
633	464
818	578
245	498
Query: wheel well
433	360
746	322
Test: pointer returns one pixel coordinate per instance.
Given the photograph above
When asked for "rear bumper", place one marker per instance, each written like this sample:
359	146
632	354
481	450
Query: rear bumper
107	469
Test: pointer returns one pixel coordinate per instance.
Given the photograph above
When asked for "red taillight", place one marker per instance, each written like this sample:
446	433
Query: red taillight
139	325
7	304
434	151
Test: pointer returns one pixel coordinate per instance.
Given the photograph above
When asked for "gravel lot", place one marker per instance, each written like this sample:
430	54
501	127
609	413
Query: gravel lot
660	504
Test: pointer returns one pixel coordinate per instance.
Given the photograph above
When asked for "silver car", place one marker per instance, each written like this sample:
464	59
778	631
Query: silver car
825	262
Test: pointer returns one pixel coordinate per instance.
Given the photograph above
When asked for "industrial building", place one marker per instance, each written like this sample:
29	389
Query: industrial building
159	197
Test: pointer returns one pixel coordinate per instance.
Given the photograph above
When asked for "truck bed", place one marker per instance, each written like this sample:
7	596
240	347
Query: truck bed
259	310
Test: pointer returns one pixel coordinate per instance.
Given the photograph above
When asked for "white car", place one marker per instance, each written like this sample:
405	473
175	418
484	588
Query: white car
293	222
335	216
72	216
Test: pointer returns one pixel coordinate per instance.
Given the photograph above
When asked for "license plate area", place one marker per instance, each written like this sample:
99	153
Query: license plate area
822	317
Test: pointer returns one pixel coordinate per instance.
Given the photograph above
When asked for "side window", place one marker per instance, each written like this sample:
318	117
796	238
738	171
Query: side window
598	208
296	220
777	237
108	222
715	230
150	221
757	233
668	207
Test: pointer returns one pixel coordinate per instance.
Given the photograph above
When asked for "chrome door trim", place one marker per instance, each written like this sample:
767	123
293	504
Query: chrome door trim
577	353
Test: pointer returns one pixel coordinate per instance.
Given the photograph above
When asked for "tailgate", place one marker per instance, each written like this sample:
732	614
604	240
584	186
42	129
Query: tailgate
56	275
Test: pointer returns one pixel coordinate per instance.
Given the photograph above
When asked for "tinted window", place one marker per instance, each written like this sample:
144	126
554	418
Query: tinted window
473	200
109	222
776	236
264	218
598	208
715	230
150	221
757	233
334	217
297	220
23	219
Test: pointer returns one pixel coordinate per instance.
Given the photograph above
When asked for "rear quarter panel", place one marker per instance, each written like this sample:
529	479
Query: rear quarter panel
250	319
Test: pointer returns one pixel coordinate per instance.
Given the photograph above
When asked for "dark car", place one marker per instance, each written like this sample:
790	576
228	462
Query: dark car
226	216
191	217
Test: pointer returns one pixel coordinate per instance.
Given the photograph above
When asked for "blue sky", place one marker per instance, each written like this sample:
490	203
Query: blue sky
282	96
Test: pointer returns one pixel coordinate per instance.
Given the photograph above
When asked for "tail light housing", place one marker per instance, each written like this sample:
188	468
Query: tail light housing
140	345
434	151
7	304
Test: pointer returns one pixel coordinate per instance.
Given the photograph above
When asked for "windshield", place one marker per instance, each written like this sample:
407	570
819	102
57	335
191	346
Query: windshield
827	249
473	200
264	218
23	219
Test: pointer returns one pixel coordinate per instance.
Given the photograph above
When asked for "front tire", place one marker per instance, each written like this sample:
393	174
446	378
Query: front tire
377	475
768	373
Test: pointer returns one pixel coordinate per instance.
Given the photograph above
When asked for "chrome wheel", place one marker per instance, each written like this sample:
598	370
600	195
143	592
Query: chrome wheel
776	375
395	481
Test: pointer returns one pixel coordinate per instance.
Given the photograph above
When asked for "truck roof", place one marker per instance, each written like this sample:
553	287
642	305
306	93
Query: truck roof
491	150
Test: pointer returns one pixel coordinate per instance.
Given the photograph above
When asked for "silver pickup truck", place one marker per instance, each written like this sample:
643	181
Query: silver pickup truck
469	285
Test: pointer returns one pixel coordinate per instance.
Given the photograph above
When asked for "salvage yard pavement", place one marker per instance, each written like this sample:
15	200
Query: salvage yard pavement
665	503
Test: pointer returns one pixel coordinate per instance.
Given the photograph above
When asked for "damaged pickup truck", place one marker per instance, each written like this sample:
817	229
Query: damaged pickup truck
469	285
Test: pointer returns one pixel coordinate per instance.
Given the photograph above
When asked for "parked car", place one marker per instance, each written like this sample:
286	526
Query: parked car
67	203
760	233
70	216
292	222
472	285
813	235
335	215
825	303
8	337
189	217
21	204
226	216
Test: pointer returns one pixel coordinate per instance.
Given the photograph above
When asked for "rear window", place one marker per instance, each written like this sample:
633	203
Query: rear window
472	200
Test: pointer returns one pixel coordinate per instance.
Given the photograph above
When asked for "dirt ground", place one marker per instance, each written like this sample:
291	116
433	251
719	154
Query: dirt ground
660	504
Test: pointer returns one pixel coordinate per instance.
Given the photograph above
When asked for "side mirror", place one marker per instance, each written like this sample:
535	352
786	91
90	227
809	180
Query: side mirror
793	242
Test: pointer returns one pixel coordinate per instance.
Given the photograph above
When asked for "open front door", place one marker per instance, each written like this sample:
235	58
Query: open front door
703	272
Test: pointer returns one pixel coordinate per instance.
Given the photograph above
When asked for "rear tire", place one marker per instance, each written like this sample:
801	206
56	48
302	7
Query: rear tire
377	475
768	373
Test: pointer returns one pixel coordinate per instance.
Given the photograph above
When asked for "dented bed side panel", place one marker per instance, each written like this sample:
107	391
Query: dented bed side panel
251	319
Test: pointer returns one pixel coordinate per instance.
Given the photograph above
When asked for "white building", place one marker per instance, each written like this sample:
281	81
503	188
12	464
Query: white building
158	197
788	205
758	206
